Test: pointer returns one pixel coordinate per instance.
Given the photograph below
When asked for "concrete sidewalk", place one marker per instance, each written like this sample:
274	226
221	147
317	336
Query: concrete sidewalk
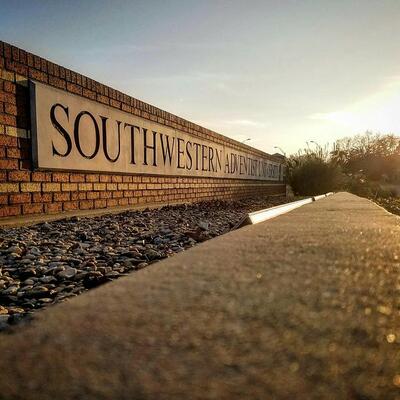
304	306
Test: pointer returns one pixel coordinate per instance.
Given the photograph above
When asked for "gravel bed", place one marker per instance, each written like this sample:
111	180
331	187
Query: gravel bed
50	262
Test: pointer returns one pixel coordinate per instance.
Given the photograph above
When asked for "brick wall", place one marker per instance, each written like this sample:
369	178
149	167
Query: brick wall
25	191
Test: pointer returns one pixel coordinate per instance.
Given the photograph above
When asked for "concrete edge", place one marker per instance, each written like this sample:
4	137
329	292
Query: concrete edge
272	212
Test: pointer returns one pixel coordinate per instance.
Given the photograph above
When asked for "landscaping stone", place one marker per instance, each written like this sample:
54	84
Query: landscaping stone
49	262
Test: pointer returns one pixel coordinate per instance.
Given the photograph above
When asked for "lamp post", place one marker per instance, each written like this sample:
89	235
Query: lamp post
246	140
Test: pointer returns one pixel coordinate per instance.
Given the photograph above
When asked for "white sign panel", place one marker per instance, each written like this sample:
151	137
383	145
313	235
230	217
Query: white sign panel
74	133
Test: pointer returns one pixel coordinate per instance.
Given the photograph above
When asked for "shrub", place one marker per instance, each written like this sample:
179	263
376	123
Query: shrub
376	156
361	186
312	175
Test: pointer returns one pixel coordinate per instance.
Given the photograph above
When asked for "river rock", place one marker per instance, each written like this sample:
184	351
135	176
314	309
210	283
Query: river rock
68	273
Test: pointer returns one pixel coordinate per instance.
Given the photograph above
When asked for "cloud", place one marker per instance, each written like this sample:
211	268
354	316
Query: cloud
380	111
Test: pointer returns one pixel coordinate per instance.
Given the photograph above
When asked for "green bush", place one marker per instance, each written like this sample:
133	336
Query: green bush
365	188
311	175
367	165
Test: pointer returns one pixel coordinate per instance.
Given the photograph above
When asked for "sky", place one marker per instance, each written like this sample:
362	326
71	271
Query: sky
280	73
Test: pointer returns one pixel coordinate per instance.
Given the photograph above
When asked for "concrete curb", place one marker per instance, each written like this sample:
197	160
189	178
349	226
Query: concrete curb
302	307
272	212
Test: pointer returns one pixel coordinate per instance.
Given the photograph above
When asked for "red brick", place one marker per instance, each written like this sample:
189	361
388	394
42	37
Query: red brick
3	199
73	77
105	178
100	203
41	177
6	140
13	152
43	65
8	98
127	179
112	202
133	200
116	178
128	193
15	53
42	197
92	178
20	198
86	204
7	50
22	56
65	196
105	195
32	208
114	103
89	94
17	67
30	60
77	178
37	75
62	72
117	195
70	205
19	176
10	87
8	164
51	187
50	68
92	195
10	211
56	70
57	82
53	208
123	202
103	99
10	109
60	177
126	108
2	152
71	87
8	119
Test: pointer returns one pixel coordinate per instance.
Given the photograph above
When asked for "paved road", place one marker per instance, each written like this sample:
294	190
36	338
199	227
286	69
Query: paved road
304	306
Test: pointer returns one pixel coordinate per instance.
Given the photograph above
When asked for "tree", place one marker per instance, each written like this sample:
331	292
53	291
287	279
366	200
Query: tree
376	156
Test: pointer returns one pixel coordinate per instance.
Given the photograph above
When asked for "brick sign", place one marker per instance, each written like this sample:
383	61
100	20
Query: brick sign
77	134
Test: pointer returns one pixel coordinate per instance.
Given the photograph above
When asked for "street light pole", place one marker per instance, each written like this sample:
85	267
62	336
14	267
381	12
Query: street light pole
246	140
